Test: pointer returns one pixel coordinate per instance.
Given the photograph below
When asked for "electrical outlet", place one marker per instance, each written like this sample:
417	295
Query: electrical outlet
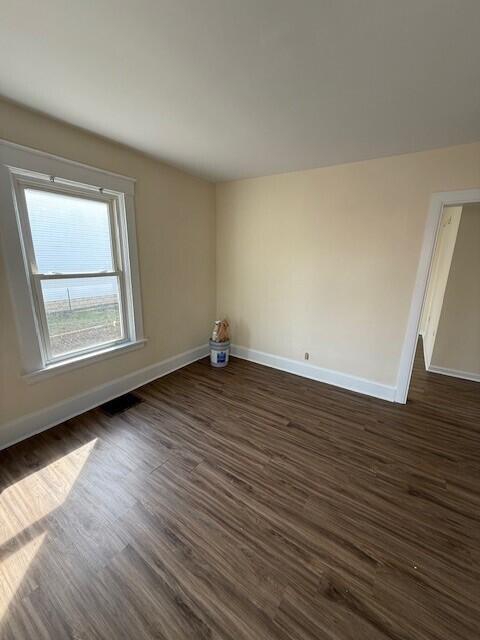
307	355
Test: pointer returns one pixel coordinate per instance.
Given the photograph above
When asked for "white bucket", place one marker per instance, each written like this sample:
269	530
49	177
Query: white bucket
219	352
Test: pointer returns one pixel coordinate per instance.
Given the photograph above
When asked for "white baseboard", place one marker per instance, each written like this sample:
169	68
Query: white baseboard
454	373
343	380
26	426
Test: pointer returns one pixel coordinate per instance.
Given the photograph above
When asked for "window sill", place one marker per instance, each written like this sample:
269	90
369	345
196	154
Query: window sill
81	361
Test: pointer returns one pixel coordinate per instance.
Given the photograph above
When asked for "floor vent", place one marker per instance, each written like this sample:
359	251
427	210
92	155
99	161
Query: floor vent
120	404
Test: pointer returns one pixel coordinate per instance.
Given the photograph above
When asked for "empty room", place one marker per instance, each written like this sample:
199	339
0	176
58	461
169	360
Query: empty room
240	320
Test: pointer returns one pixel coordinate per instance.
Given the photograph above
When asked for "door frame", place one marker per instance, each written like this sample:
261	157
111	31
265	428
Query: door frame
424	271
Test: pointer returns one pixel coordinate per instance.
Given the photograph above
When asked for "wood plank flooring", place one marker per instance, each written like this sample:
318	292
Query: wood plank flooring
247	503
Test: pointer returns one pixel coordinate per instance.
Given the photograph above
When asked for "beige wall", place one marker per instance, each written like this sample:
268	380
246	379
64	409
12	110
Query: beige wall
175	216
324	261
442	261
457	345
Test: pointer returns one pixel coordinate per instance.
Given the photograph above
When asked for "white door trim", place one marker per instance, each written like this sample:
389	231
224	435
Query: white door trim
437	202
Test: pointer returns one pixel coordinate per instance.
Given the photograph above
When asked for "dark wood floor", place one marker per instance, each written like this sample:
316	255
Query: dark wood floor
247	503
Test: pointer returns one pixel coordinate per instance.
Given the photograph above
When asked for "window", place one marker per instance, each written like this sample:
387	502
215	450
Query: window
79	278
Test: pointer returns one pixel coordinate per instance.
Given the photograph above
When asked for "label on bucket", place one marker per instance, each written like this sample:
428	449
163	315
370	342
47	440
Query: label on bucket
219	354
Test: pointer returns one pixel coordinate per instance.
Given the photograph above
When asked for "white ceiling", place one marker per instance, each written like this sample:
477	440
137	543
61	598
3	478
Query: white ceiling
235	88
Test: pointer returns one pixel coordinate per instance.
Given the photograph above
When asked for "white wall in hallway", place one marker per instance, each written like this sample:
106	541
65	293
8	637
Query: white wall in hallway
442	260
457	345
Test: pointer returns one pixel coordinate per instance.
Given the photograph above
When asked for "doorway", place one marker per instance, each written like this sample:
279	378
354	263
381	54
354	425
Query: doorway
450	322
425	316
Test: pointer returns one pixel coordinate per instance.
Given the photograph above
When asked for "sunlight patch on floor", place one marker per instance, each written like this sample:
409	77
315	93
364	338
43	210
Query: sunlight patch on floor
39	493
14	568
27	505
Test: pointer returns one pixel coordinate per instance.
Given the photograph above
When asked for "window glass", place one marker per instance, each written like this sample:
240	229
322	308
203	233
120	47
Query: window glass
82	313
70	234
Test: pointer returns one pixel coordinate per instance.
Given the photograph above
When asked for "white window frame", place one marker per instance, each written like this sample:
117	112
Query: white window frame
22	168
